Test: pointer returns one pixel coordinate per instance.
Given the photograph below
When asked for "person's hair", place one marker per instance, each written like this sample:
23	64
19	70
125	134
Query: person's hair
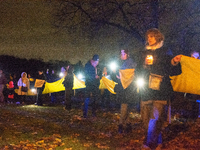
156	33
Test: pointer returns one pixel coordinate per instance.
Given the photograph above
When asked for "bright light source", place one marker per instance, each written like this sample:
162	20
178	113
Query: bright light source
140	82
33	90
108	77
61	75
80	76
113	66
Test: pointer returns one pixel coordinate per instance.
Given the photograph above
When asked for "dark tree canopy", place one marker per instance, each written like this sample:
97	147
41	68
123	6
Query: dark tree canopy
132	17
177	19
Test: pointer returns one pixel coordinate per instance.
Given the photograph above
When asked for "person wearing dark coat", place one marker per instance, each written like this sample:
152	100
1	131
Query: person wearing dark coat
125	95
92	85
156	67
52	76
68	84
40	76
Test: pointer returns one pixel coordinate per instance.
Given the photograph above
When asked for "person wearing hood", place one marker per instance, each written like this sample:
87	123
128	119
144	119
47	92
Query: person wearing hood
23	84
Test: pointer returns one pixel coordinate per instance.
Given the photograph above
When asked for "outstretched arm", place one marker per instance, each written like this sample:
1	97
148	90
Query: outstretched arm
175	61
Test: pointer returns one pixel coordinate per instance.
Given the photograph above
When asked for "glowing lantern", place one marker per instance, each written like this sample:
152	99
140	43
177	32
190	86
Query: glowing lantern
149	60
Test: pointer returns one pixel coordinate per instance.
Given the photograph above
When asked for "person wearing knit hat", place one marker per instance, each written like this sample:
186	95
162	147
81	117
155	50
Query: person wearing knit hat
95	57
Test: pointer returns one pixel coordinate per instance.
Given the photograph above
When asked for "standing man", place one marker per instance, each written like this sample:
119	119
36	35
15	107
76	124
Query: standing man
68	84
3	82
92	85
125	92
41	78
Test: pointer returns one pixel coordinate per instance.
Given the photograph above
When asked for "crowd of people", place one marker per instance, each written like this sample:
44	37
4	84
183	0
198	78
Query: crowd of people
154	65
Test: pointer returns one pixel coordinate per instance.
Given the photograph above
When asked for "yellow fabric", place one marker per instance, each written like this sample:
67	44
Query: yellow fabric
30	92
39	83
189	80
126	77
54	86
107	84
31	79
102	85
78	84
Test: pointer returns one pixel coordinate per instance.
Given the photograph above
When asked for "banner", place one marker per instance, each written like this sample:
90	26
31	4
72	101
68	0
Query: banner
78	84
107	84
39	83
126	77
189	80
54	86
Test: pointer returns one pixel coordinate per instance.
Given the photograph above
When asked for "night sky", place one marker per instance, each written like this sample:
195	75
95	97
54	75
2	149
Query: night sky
26	32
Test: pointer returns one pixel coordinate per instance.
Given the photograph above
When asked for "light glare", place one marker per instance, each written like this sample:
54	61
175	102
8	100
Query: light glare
80	76
61	75
33	90
140	82
113	66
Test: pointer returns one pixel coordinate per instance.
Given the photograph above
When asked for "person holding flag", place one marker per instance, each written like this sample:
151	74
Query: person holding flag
156	67
125	89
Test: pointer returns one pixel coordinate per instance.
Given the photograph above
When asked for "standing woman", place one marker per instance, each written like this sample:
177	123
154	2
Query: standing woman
23	84
156	67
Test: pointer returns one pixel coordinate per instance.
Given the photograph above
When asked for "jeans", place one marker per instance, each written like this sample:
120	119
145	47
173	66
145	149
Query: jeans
91	96
154	115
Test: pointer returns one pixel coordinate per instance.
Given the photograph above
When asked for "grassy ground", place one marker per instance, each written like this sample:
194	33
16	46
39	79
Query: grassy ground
54	128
